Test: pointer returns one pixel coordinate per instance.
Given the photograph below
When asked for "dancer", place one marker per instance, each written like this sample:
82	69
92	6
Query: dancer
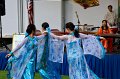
24	55
78	68
51	67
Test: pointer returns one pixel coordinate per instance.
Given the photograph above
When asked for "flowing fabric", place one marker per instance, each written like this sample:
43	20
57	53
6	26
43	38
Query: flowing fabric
78	68
53	70
23	61
52	55
42	58
94	47
56	50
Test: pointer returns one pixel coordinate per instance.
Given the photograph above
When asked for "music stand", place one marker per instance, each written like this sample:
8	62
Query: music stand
1	38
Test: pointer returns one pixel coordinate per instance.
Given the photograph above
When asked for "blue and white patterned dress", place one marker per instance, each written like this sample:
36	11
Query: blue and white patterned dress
78	68
56	52
22	64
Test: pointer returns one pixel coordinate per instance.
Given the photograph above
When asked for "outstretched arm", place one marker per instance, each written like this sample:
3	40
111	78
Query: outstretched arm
17	47
40	37
84	36
20	45
63	37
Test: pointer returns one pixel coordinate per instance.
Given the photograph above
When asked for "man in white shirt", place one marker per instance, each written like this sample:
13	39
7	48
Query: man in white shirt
111	16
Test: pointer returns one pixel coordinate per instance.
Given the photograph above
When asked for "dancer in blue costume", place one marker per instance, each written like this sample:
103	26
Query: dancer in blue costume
52	68
78	68
23	57
45	55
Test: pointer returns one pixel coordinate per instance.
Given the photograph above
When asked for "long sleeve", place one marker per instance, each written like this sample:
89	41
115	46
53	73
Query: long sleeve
99	32
84	36
64	37
20	45
40	37
110	32
111	18
56	45
106	16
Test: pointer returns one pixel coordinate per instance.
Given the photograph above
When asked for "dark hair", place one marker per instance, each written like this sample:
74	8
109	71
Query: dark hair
106	25
31	28
71	26
45	25
110	6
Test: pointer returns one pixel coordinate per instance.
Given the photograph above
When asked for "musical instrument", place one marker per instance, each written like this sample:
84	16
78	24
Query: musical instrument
114	29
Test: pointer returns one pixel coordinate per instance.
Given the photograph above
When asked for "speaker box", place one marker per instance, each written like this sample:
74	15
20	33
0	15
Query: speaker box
2	7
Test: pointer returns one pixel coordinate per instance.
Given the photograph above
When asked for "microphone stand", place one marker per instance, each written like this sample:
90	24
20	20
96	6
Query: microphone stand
78	20
78	24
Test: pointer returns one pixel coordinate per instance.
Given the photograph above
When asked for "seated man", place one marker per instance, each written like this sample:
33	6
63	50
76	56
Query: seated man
108	42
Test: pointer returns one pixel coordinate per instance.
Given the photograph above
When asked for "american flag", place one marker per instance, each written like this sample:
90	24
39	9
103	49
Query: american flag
30	11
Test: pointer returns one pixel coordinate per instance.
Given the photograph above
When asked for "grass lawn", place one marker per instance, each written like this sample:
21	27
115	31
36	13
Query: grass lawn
3	75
